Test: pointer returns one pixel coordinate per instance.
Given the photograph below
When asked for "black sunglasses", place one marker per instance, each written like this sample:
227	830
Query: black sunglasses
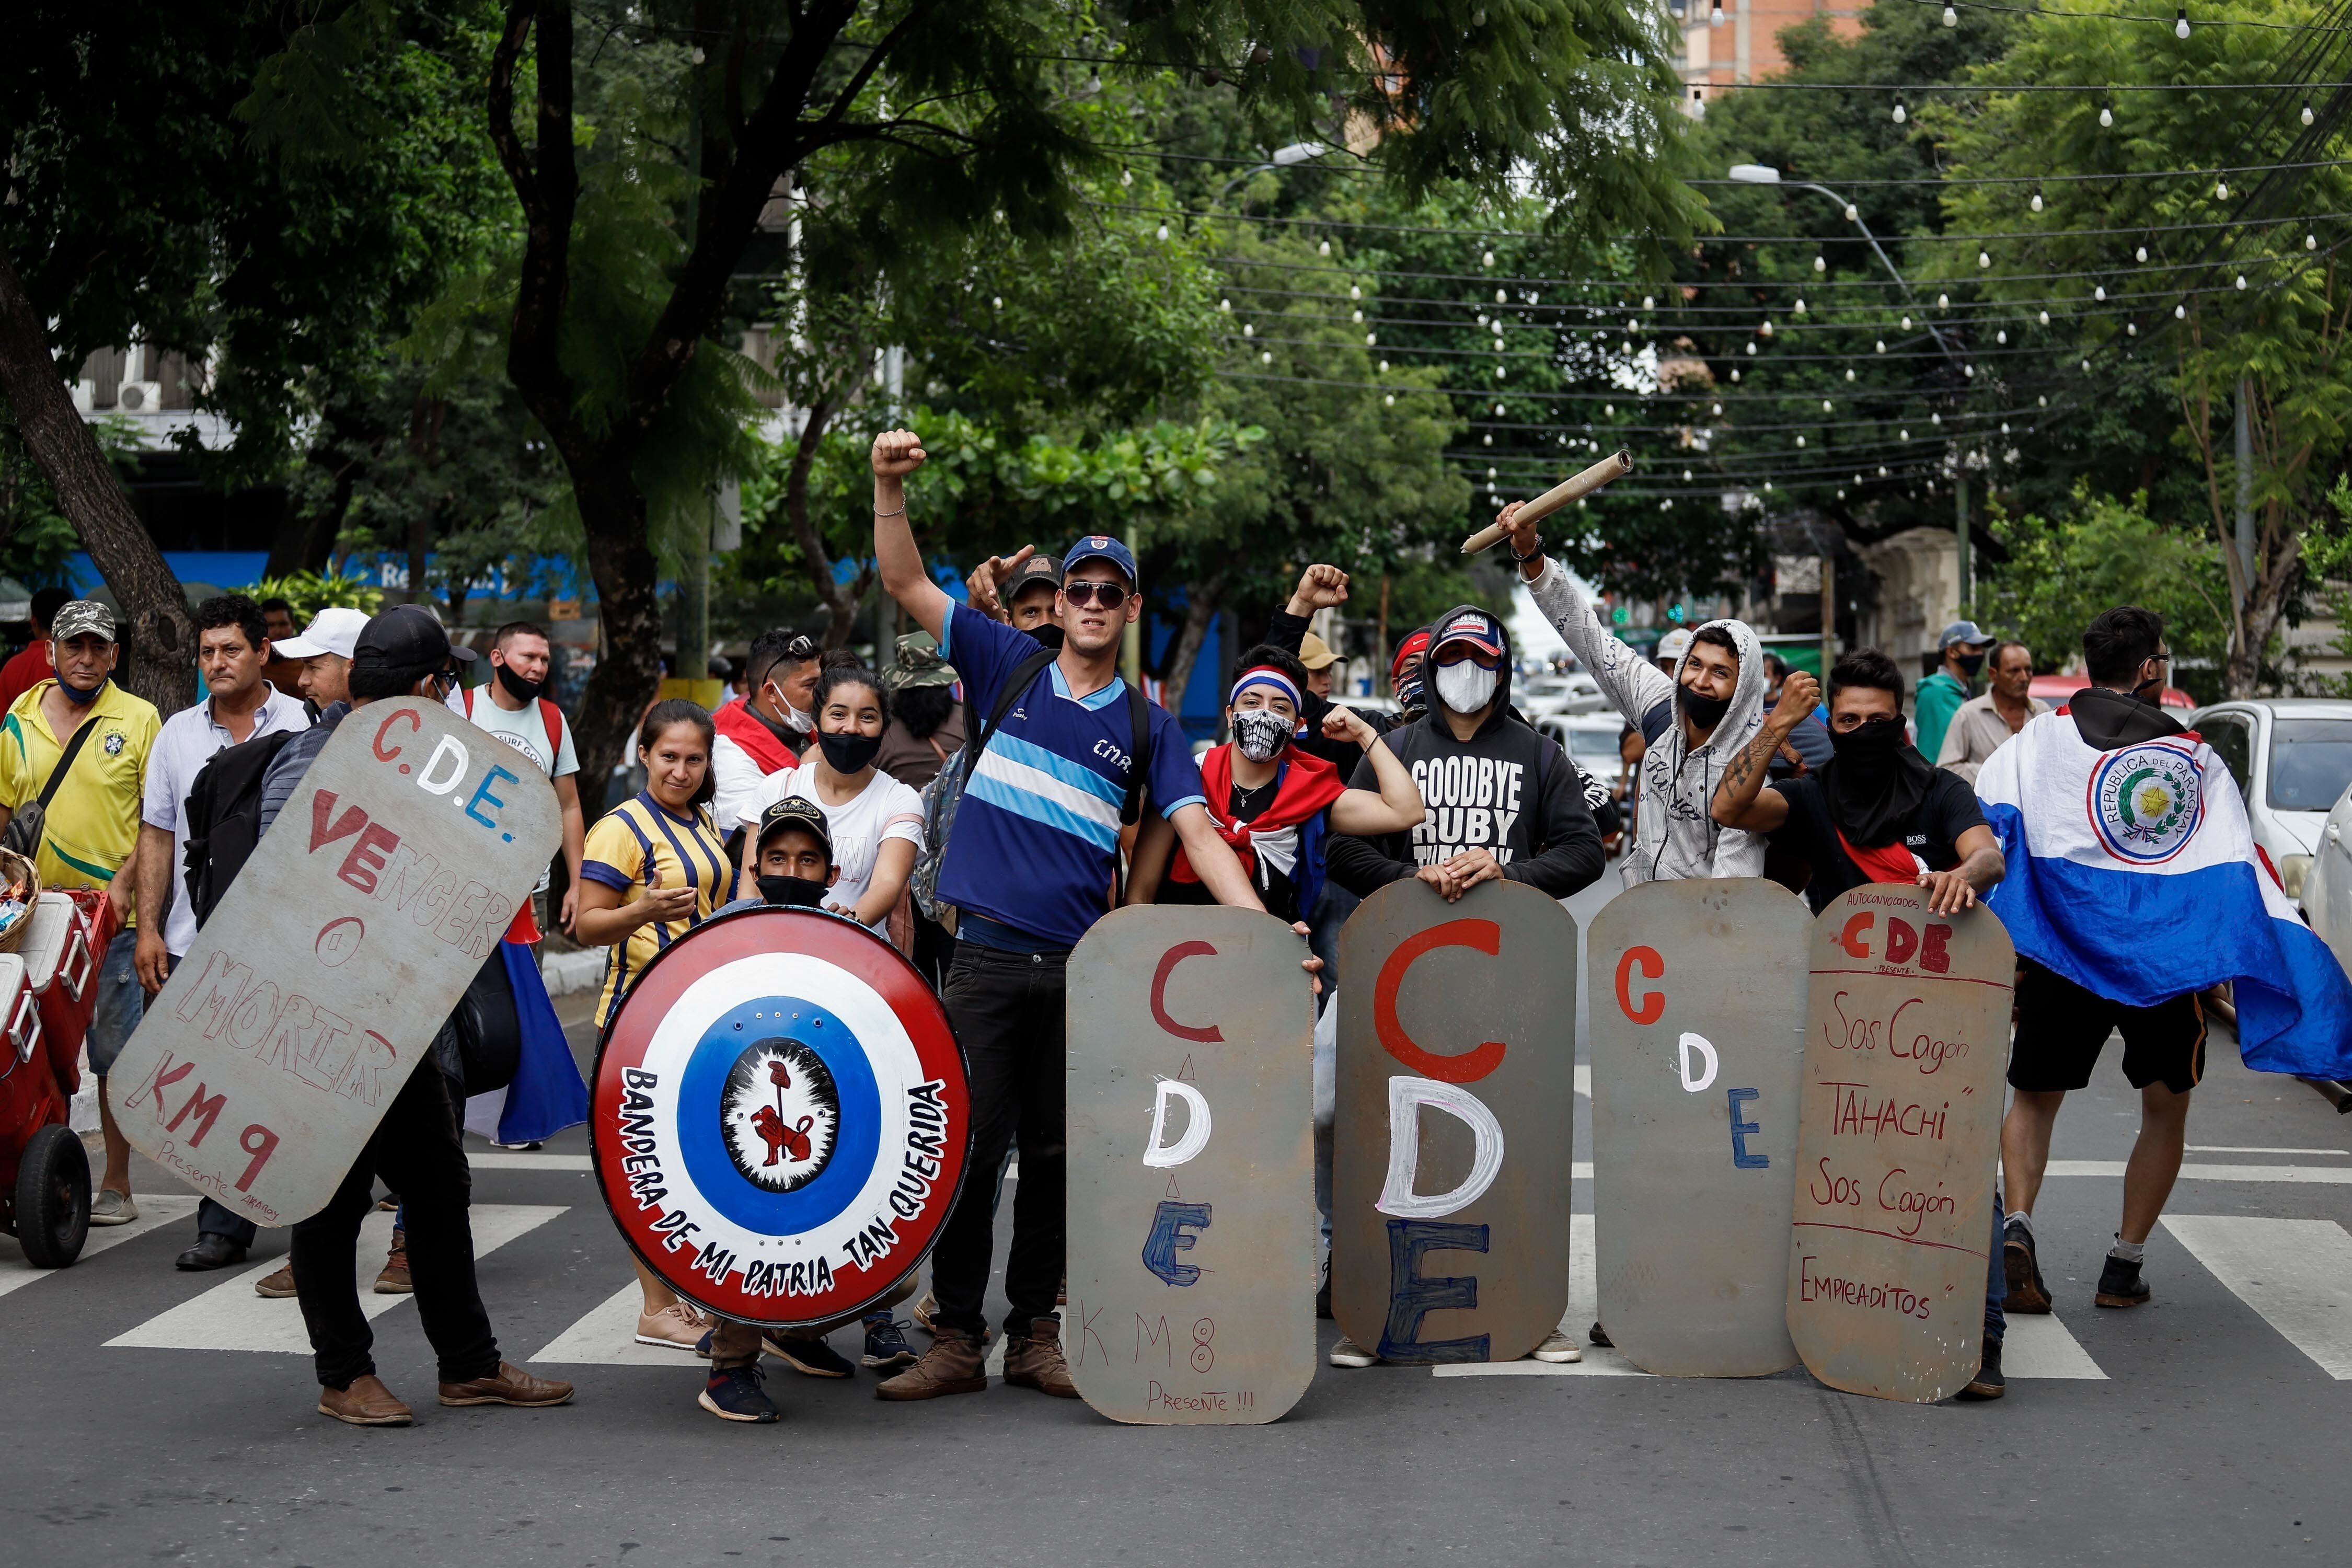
1108	596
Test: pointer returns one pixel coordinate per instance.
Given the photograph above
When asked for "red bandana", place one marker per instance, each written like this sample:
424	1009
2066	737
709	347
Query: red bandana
740	725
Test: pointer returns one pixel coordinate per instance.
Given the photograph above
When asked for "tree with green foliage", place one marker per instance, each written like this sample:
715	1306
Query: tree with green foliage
2060	573
960	114
2222	286
139	207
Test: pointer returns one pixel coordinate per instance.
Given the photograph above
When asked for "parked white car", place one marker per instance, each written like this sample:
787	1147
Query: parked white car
2292	758
2327	891
1589	738
1575	692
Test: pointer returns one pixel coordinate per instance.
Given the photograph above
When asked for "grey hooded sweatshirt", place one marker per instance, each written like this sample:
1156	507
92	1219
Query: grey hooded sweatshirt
1677	834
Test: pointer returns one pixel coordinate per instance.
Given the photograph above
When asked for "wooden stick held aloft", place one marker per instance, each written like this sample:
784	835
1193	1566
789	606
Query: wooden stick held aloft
1615	466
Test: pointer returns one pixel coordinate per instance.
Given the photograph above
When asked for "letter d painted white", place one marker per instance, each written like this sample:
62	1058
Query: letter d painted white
449	748
1196	1124
1406	1097
1696	1042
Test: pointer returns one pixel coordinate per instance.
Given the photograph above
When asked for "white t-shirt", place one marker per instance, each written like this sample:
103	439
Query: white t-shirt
185	744
885	809
526	732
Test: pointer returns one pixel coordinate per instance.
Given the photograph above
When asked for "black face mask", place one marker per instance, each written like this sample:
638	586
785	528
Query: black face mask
1970	664
1706	712
849	753
519	688
1875	781
798	891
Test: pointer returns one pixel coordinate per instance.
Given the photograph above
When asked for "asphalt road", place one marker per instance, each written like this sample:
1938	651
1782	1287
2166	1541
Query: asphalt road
2211	1424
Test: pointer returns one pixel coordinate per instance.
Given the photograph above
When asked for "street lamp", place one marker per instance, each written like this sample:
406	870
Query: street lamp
1281	158
1765	174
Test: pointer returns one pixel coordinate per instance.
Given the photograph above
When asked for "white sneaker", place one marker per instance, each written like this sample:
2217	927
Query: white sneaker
1557	1347
676	1327
1348	1353
110	1207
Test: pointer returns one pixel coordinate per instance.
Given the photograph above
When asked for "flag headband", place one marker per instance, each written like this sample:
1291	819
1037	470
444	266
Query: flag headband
1267	676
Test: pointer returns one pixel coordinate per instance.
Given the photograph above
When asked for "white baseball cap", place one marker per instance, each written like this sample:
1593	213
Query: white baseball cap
332	630
1674	645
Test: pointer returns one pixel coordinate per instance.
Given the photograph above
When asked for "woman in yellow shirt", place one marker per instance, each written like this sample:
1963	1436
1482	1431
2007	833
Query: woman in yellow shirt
655	869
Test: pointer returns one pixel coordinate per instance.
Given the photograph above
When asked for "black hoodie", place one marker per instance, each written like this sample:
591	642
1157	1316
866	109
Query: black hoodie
2108	720
1507	789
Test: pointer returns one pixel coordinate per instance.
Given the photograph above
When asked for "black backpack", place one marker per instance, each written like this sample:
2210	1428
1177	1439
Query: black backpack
224	816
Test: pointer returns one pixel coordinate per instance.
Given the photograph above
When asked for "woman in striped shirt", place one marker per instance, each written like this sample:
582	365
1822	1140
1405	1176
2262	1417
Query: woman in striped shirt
655	867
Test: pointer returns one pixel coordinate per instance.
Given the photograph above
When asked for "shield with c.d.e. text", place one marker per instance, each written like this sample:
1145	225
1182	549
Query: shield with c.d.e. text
1907	1040
780	1120
1191	1176
1699	1032
1451	1160
319	980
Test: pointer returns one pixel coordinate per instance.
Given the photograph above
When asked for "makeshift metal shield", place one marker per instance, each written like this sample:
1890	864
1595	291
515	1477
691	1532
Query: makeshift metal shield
779	1117
1906	1041
1698	1031
319	981
1191	1175
1452	1152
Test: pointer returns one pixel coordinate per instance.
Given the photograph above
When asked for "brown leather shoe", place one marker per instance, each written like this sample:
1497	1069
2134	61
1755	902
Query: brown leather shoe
1037	1362
511	1385
954	1365
366	1403
278	1287
394	1279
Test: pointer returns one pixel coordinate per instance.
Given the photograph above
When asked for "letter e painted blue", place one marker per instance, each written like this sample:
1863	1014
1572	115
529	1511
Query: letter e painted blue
482	793
1168	1237
1413	1297
1740	1131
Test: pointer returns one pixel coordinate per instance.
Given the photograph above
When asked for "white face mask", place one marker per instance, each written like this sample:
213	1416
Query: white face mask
1464	688
793	718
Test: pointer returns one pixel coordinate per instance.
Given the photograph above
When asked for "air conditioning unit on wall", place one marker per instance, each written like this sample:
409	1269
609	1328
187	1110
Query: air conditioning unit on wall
139	396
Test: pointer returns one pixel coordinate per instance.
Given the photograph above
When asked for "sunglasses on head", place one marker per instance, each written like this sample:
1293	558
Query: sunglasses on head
1107	595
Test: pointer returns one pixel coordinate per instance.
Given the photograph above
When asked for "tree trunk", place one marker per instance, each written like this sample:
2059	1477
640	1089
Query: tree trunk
628	675
841	600
1201	602
161	633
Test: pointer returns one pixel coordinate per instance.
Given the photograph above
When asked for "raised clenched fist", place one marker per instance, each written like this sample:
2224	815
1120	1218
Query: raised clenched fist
897	454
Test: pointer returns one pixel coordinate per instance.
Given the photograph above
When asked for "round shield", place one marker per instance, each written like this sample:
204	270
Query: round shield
779	1117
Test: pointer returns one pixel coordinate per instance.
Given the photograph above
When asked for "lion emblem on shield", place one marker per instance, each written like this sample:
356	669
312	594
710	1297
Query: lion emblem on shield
779	1114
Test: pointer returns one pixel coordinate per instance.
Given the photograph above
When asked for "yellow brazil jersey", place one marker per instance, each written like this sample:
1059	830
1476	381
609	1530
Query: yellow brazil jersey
684	852
93	818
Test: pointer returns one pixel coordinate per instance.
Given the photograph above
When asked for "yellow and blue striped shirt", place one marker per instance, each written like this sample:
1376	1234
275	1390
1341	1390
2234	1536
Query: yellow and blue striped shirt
684	851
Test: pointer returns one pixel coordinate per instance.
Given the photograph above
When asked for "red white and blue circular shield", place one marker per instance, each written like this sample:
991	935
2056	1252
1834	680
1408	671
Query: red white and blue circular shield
779	1117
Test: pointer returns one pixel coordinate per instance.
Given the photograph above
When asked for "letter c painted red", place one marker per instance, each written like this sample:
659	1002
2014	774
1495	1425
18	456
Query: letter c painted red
1653	966
394	717
1168	962
1484	936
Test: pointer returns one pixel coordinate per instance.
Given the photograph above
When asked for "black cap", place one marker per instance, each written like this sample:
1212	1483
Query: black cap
796	811
1035	570
405	637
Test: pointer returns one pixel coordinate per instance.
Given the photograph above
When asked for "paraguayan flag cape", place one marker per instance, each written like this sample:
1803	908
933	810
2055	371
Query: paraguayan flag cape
2132	873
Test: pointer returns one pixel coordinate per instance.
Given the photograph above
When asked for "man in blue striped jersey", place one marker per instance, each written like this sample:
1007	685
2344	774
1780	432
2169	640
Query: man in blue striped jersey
1033	864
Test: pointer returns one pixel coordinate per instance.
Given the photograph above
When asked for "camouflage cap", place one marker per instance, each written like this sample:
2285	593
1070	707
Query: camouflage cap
82	617
918	664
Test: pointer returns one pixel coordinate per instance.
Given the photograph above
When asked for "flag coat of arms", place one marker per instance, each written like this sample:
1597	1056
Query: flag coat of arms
2132	873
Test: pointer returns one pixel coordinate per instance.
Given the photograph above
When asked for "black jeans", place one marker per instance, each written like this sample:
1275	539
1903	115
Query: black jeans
1007	1011
415	1150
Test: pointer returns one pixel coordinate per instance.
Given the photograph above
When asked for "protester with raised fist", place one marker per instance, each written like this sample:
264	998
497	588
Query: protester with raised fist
1071	755
1693	720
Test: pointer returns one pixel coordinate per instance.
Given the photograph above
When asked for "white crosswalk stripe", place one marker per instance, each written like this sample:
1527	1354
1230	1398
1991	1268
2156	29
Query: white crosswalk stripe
607	1336
230	1316
2298	1273
2043	1346
158	1210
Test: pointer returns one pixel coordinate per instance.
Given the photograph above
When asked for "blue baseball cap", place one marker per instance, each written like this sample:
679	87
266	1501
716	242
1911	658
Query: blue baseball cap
1100	547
